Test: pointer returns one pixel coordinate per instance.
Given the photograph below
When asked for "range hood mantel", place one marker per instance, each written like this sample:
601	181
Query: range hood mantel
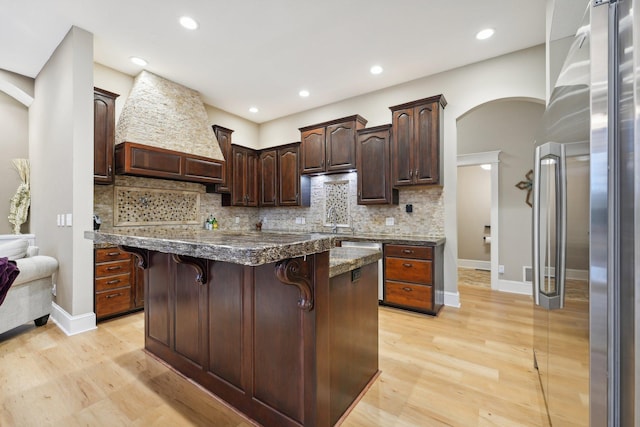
163	114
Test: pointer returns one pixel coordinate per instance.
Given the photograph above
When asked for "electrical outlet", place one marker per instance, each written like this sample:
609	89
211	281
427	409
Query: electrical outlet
390	221
237	220
501	269
303	221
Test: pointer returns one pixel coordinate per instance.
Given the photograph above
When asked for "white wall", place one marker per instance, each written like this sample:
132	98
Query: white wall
509	126
61	149
517	75
14	143
474	212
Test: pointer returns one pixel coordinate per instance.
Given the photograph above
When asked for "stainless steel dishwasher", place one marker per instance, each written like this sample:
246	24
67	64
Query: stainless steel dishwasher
370	245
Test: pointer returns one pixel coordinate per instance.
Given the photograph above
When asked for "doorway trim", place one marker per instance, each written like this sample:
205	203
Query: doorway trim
492	158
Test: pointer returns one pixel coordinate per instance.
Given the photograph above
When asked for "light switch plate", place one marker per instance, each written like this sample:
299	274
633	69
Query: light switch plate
69	220
390	221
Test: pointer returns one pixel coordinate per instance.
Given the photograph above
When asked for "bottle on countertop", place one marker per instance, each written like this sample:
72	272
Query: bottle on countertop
208	223
214	224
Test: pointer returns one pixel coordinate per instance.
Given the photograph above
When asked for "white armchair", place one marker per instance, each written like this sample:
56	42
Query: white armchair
29	298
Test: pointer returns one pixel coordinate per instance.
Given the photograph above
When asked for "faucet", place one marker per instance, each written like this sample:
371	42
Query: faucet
332	213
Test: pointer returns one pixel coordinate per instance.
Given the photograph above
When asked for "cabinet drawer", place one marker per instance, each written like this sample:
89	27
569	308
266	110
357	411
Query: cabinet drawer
113	268
417	296
112	282
403	251
408	270
112	302
110	254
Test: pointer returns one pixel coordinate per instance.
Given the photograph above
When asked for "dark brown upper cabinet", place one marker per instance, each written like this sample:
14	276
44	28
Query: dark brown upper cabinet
104	123
223	136
416	155
144	160
330	147
244	181
373	151
279	177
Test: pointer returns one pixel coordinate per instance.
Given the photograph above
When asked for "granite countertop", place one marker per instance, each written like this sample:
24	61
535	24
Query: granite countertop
247	248
394	239
343	260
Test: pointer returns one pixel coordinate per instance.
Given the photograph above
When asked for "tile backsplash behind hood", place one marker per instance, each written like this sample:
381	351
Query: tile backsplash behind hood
164	114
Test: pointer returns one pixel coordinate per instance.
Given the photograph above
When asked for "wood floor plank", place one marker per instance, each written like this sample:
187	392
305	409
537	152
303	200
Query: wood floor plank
470	366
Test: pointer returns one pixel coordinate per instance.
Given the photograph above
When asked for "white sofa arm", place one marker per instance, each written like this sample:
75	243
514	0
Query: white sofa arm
32	251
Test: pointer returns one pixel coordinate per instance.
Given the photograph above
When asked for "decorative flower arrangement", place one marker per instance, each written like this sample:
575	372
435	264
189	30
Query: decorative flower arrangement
20	202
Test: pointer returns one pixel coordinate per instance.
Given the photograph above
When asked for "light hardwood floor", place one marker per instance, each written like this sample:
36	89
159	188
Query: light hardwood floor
470	366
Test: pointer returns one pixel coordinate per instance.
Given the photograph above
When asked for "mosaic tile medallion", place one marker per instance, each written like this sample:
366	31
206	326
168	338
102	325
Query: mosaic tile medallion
336	203
149	206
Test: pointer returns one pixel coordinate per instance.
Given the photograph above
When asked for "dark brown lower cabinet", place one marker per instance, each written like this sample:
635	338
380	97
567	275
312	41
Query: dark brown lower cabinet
283	354
414	278
118	283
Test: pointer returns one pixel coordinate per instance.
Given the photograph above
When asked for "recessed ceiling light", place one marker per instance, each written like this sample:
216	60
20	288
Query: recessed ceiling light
376	69
303	93
485	34
253	109
188	23
138	61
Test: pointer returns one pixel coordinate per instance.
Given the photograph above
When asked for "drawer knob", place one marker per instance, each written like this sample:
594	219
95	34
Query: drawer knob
113	295
406	289
113	282
406	264
114	267
113	253
407	251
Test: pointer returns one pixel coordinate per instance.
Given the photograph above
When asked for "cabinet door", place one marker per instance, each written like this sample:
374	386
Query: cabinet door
340	144
238	194
312	150
426	144
401	151
288	177
372	155
268	178
104	104
224	139
251	184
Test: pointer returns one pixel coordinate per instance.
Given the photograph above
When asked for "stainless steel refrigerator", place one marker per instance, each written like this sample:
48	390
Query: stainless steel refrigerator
586	335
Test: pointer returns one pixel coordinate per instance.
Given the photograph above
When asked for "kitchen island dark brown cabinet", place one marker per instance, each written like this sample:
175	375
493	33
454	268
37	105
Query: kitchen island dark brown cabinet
256	319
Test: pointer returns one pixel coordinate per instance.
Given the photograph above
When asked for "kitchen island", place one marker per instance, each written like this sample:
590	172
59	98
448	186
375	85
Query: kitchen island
268	322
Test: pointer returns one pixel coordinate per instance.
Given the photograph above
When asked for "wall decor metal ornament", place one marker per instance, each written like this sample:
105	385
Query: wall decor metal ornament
527	185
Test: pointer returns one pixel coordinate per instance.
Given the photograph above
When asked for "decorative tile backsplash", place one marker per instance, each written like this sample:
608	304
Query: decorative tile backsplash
427	218
336	203
153	206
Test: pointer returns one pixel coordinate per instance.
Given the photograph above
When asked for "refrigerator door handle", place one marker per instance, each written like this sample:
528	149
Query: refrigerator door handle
549	225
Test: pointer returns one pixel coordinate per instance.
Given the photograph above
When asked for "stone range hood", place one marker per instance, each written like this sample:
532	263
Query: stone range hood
164	114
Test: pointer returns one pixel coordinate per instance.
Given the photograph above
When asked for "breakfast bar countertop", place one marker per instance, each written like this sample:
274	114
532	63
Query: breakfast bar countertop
247	248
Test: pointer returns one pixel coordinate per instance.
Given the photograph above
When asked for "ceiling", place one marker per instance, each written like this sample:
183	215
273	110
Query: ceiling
262	53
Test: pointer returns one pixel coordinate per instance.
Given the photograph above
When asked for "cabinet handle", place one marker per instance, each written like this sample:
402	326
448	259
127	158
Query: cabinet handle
113	282
407	289
115	267
113	253
113	295
407	251
406	264
410	173
110	170
416	173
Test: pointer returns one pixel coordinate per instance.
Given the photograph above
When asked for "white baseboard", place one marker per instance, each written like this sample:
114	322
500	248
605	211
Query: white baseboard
474	263
515	287
72	325
452	299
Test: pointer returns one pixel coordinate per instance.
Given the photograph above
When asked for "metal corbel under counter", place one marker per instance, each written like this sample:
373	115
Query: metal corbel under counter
265	321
